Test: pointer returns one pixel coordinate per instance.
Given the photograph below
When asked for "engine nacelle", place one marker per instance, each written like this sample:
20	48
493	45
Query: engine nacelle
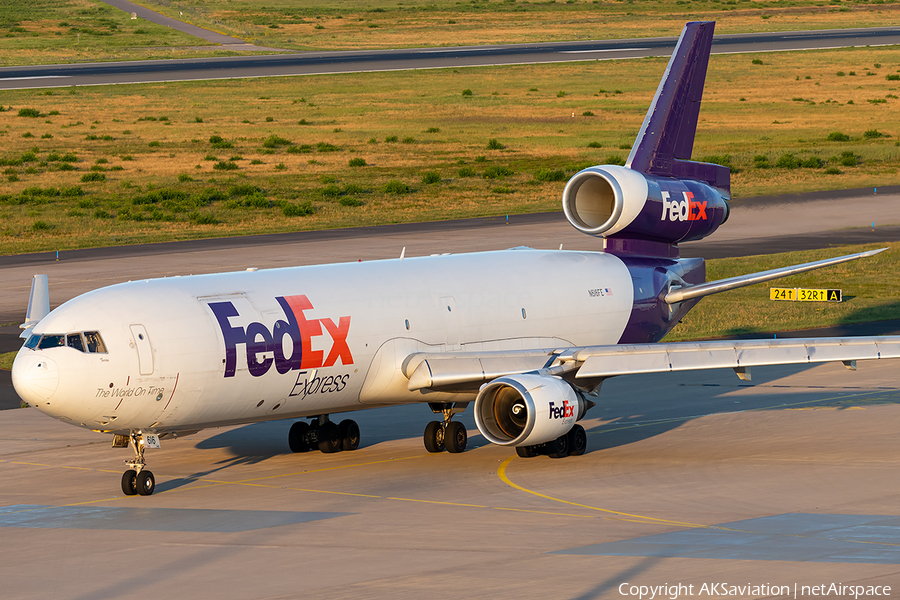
526	410
616	201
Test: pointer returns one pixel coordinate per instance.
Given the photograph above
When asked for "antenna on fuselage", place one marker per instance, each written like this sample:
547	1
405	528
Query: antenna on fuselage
38	304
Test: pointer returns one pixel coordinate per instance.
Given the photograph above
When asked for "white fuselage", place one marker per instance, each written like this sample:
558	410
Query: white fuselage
168	366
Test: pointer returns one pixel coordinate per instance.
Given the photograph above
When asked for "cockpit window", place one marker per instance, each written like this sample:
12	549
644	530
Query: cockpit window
88	341
73	340
94	342
51	341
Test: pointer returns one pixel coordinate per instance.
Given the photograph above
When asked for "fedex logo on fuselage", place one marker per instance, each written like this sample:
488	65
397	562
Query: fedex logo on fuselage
265	347
684	210
562	412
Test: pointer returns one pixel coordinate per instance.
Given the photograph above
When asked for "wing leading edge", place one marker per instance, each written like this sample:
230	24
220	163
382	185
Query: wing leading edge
470	370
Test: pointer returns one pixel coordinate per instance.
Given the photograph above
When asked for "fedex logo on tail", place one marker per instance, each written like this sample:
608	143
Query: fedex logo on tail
266	347
562	412
683	210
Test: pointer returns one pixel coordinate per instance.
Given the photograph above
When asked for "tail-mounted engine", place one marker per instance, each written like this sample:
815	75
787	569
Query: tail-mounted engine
526	410
614	201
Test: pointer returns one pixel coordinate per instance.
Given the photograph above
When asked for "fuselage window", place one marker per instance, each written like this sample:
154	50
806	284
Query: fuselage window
32	342
51	341
94	342
73	340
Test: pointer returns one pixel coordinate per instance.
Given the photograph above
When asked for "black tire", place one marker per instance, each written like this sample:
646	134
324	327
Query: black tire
145	483
349	434
527	451
329	437
434	437
298	437
558	448
129	482
577	441
455	437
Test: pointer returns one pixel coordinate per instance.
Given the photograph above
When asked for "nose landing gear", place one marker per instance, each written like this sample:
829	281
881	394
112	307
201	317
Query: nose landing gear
137	479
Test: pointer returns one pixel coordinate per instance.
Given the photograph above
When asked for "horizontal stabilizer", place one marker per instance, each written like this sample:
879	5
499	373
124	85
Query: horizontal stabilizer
723	285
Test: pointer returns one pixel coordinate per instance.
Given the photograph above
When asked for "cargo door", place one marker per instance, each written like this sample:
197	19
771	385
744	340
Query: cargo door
145	352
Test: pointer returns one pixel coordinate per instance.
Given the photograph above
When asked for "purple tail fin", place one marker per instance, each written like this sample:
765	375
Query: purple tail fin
664	144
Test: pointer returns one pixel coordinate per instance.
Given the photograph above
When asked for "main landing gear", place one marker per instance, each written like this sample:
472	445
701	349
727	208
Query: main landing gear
137	479
323	434
573	443
446	435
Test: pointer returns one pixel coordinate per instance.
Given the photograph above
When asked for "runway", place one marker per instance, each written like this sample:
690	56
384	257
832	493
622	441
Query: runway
310	63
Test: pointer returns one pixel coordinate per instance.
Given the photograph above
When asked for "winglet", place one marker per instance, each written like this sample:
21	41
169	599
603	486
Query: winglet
666	139
38	304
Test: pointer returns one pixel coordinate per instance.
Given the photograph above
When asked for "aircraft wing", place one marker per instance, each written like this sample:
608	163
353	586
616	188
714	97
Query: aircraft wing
471	369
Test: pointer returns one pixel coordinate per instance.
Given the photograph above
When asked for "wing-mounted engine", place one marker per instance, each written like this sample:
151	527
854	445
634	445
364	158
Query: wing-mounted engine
618	202
527	410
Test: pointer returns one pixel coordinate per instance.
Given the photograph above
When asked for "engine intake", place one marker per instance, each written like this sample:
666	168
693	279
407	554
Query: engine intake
604	200
525	410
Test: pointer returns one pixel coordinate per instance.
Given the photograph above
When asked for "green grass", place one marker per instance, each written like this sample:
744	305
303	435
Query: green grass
49	31
342	24
60	194
44	31
869	288
6	360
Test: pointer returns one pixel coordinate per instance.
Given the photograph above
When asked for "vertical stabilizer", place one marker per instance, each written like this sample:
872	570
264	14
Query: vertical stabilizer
666	139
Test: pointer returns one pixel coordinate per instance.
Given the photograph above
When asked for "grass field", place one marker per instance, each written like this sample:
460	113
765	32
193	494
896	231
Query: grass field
47	31
138	163
344	24
50	31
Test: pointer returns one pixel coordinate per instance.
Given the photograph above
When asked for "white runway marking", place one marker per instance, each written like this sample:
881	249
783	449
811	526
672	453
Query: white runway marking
35	77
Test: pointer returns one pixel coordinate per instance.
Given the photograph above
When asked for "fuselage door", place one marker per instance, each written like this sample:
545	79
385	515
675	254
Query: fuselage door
145	351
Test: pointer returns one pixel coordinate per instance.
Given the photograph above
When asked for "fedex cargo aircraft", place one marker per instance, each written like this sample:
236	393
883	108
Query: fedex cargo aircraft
526	335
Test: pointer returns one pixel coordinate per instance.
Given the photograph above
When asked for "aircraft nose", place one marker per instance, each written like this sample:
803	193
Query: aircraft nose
34	377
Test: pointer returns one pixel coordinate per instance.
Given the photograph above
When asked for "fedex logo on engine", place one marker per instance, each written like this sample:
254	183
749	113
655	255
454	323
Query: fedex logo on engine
562	412
266	348
684	210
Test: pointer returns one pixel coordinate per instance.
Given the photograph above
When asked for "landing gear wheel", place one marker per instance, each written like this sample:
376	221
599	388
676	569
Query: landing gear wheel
577	441
558	448
129	482
349	434
455	437
298	437
329	437
526	451
145	483
434	437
